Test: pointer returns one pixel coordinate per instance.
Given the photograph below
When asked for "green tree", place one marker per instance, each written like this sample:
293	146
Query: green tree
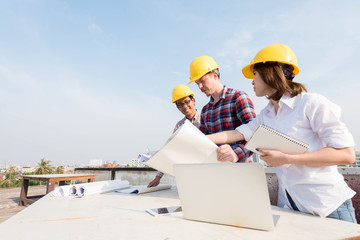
59	170
11	172
10	178
44	167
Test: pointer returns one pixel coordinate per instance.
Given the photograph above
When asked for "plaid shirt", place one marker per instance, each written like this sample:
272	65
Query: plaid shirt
233	108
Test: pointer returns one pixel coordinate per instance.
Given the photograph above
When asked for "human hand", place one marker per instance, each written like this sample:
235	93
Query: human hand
226	154
154	182
273	158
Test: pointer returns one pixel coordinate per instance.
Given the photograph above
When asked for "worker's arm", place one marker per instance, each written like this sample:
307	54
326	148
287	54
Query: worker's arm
226	137
327	156
154	182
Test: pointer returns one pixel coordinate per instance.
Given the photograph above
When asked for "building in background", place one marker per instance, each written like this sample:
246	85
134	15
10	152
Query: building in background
28	169
96	163
110	165
135	162
357	159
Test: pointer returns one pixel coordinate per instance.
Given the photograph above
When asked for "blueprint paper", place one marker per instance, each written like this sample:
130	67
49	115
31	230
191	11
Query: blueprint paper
187	145
140	189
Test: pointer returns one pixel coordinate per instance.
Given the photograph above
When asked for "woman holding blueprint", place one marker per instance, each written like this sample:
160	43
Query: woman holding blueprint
308	182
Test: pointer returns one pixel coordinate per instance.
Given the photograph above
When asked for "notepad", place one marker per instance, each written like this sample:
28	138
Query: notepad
267	138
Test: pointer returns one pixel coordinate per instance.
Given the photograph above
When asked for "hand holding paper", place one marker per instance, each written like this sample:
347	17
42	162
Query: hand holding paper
187	145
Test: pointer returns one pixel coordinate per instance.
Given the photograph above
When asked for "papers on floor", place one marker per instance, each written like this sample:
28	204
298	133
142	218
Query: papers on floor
144	189
83	189
187	145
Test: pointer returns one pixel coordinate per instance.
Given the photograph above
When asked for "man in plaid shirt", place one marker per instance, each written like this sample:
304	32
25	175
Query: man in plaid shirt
227	109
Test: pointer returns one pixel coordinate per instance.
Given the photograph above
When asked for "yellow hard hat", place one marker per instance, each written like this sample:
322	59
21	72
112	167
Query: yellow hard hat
273	53
201	66
181	91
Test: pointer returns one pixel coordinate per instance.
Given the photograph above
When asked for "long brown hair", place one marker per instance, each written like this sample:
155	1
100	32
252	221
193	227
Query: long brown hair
274	77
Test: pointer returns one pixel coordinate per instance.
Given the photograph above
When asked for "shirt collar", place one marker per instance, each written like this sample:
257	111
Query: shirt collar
285	100
196	116
222	95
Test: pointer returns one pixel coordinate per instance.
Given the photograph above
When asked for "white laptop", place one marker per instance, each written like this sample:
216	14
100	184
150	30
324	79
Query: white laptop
225	193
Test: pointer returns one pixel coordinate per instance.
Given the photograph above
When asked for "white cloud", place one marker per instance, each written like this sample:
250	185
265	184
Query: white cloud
238	39
180	74
94	28
234	46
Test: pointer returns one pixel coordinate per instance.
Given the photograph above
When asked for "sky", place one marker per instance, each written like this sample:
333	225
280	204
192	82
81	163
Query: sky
84	80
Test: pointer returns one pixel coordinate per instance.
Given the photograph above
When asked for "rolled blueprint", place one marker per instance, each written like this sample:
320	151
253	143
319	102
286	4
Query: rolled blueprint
84	189
62	191
101	187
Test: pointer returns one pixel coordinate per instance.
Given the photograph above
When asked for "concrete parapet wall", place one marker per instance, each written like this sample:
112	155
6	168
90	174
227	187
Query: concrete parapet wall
100	175
142	176
352	178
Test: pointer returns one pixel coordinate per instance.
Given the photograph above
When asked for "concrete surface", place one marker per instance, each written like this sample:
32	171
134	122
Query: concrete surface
140	176
123	216
9	200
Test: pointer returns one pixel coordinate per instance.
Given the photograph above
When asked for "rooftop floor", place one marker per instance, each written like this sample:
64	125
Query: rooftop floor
102	216
9	200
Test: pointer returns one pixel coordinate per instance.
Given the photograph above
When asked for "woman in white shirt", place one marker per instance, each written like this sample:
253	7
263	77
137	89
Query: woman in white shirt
308	182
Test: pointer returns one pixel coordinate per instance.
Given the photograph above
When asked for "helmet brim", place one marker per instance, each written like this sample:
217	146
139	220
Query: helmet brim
248	70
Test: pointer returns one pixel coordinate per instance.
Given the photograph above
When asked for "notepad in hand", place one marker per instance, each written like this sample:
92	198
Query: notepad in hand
270	139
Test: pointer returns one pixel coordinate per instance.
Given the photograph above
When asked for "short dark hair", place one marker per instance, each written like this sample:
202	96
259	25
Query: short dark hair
217	72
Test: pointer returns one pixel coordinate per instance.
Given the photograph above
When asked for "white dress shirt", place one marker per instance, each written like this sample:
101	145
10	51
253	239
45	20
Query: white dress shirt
313	119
